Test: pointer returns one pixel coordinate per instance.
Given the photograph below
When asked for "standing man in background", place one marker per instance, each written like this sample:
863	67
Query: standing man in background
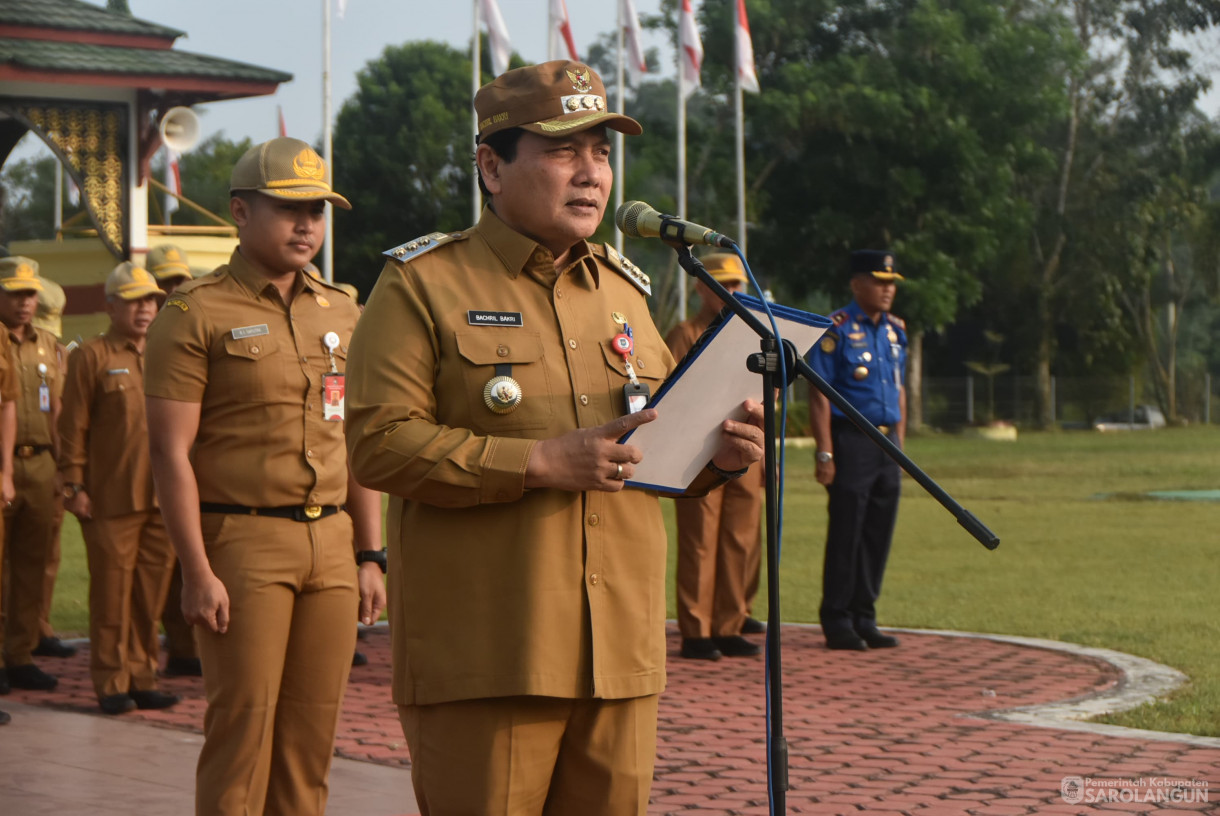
245	384
108	486
719	535
30	519
863	356
169	265
493	373
8	432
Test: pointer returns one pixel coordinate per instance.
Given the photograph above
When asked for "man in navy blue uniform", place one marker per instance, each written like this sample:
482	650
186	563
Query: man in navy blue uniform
863	356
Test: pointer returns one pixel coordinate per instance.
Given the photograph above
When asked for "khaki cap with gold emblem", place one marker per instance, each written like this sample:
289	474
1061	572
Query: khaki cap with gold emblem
285	168
19	274
130	282
551	99
48	314
167	262
724	267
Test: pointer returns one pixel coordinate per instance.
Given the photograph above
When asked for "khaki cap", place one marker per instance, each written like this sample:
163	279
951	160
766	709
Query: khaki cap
48	314
19	274
167	262
285	168
130	282
551	99
725	267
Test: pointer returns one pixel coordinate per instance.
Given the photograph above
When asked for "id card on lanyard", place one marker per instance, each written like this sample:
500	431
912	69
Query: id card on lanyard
44	390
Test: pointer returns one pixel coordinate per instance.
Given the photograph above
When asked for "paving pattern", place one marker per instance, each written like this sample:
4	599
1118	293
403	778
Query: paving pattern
916	730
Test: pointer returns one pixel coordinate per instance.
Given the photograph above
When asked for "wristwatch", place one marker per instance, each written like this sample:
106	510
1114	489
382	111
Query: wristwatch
378	557
71	489
824	456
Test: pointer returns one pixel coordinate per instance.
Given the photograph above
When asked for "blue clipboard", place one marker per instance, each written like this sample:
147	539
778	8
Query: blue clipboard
708	387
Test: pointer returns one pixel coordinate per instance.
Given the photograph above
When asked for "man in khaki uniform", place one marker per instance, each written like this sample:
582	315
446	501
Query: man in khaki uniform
48	315
719	537
170	266
103	466
487	398
248	454
8	433
30	519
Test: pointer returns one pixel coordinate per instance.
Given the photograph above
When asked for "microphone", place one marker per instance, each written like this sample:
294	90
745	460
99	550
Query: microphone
639	220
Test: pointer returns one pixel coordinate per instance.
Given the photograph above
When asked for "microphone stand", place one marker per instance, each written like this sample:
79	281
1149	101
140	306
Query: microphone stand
768	363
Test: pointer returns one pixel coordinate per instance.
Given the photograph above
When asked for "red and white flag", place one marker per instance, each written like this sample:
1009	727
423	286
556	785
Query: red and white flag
690	50
73	191
634	42
746	75
173	181
497	36
559	19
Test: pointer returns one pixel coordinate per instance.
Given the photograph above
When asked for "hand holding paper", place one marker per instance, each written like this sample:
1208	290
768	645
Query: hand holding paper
741	442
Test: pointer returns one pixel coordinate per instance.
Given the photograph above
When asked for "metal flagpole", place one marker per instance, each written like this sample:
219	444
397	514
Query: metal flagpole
552	32
328	153
59	196
681	173
618	137
741	163
476	199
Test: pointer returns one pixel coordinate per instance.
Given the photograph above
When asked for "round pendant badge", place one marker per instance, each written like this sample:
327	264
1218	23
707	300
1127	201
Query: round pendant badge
502	395
860	373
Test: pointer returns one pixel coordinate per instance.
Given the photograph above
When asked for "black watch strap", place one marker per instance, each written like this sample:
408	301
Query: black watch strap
378	557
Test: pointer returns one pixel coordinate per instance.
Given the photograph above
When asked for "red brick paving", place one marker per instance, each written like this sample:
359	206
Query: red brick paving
894	731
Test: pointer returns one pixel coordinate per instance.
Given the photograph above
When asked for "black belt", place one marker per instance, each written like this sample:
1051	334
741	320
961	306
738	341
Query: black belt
29	451
308	512
844	422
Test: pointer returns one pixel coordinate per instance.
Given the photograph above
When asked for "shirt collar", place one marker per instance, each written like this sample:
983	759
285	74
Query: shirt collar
117	341
23	334
521	254
252	278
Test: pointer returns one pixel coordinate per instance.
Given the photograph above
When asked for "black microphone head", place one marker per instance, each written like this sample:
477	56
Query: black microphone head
627	216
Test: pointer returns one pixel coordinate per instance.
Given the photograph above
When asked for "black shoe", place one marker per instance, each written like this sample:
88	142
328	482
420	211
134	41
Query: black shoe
360	659
5	719
876	639
753	626
183	667
53	647
151	699
700	649
30	677
736	646
116	704
5	688
846	641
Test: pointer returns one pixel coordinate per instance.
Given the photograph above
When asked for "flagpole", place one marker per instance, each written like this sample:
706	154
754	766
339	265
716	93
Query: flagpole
58	218
619	179
476	203
741	165
552	36
328	153
681	273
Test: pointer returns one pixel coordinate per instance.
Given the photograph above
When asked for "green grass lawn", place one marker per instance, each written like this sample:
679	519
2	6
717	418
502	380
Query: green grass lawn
1120	573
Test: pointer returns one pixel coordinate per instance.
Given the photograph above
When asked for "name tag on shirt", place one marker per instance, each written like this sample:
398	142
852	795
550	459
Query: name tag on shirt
114	371
250	331
476	318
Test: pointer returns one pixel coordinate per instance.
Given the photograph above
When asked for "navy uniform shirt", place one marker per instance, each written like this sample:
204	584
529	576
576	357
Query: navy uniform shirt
865	363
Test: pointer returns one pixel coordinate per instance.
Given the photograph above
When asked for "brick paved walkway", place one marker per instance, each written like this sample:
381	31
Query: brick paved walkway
910	730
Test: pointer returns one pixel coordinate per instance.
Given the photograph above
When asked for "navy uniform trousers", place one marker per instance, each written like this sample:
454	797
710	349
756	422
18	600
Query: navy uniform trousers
863	506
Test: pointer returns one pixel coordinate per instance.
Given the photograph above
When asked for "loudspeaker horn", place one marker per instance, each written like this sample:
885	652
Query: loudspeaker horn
179	129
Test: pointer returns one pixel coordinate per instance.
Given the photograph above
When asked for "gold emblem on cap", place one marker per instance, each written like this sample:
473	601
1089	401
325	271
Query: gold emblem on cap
860	373
580	80
502	394
172	255
24	271
308	164
140	275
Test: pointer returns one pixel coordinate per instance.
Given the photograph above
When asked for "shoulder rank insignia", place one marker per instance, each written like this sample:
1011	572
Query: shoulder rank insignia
898	321
418	246
628	270
179	302
839	317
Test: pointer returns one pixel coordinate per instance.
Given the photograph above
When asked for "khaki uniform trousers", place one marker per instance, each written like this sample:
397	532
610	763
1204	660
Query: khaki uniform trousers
28	523
129	565
51	573
275	680
532	756
719	553
179	639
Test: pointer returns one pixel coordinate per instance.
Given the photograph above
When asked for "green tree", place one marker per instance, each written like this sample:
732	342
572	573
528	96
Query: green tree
27	200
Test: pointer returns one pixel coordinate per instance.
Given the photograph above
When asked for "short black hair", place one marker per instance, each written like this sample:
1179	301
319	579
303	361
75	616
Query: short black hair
504	143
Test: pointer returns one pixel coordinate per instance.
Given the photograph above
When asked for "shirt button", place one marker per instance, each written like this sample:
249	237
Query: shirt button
502	351
584	400
310	406
594	520
308	454
571	344
304	359
593	579
254	349
558	293
640	364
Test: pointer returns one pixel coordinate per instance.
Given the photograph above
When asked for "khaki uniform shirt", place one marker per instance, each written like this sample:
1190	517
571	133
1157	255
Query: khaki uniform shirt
496	590
30	347
103	433
9	385
228	341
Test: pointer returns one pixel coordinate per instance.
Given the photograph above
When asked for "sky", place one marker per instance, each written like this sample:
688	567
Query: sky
287	35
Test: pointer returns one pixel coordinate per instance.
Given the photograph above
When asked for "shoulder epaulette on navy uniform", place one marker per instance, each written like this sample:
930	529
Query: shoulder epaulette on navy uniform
897	321
839	317
624	267
418	246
